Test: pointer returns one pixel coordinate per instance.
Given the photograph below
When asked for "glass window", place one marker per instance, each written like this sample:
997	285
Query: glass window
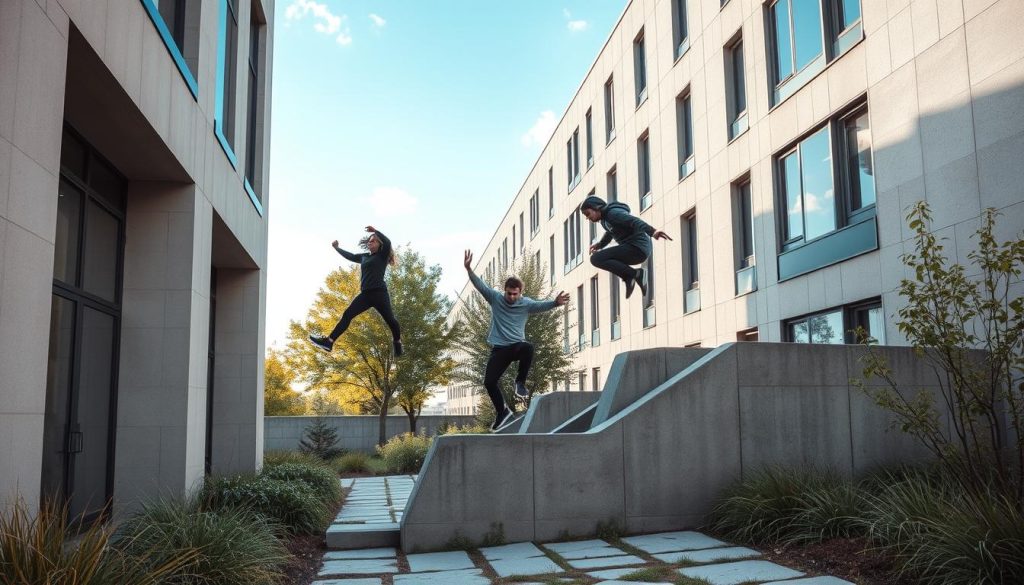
648	299
807	183
821	328
253	157
737	94
684	130
226	97
858	161
609	110
640	68
594	309
783	41
643	153
612	186
744	226
847	12
580	311
100	258
69	216
590	141
173	13
679	33
551	264
613	303
551	192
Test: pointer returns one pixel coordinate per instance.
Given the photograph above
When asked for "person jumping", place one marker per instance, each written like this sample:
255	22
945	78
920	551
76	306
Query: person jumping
633	236
373	290
507	337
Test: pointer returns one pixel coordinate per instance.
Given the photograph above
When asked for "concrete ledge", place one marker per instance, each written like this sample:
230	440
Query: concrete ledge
669	433
350	536
549	411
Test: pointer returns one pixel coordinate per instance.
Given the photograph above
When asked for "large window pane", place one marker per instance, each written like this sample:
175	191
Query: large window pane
794	206
848	12
58	392
806	31
783	44
93	406
739	83
99	274
818	195
65	252
858	149
827	328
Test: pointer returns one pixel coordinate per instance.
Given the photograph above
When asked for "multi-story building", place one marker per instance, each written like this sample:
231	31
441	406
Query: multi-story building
134	140
780	144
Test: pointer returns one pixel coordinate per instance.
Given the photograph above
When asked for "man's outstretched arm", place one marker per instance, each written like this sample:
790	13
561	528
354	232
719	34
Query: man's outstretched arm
490	295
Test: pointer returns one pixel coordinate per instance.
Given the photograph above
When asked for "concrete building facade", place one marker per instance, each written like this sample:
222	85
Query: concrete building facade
134	143
780	144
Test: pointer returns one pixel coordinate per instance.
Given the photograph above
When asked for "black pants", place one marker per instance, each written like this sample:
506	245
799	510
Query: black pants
379	299
617	260
501	358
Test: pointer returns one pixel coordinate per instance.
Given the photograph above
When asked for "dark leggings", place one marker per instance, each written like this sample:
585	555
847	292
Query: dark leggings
379	299
617	260
501	358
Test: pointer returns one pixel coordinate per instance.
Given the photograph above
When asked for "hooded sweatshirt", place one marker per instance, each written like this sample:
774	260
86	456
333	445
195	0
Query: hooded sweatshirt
371	266
619	225
508	321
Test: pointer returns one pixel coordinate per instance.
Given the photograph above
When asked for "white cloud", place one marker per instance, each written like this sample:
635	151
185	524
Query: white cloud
541	130
392	202
574	25
377	20
326	23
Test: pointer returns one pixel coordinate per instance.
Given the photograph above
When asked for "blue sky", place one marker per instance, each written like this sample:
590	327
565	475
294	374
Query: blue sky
419	117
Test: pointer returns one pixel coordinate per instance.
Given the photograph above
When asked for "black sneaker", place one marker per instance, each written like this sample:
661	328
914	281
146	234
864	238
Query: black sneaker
630	285
322	342
510	415
398	348
521	390
641	279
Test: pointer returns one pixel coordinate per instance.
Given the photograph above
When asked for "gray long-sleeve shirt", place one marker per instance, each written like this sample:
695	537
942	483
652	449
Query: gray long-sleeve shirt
508	321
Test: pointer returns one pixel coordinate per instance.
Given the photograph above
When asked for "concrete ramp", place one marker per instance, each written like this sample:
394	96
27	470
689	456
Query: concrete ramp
549	411
661	444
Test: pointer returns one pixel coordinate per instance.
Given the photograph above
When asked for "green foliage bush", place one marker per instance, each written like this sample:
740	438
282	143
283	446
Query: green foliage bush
789	506
279	457
319	477
405	453
937	530
476	428
233	546
293	505
351	462
43	546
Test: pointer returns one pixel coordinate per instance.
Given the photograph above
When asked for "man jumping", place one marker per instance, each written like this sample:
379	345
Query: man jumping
507	337
633	236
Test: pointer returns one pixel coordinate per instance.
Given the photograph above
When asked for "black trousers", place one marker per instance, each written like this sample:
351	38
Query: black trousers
379	299
617	260
501	358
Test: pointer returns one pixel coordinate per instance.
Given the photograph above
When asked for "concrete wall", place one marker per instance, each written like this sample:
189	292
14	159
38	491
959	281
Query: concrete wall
660	462
356	433
549	411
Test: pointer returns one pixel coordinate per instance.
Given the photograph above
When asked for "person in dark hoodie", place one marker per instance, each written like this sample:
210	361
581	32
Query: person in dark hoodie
507	337
373	291
633	236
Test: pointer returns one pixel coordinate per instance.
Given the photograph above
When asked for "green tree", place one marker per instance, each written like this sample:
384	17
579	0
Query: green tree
362	371
320	439
278	397
544	330
970	330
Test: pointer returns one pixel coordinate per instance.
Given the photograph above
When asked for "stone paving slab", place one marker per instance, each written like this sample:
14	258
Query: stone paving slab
518	550
613	573
672	542
371	581
462	577
709	555
607	562
358	567
813	581
530	566
439	561
567	547
365	553
740	572
585	549
633	583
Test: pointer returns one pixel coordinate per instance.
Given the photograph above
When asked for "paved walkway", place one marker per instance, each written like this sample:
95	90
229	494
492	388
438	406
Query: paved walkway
672	557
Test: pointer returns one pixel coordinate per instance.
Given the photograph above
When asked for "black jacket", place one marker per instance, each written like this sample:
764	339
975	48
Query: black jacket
624	228
371	266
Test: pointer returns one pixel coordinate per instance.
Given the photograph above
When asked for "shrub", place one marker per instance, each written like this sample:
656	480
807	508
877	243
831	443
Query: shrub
351	462
405	453
294	505
943	533
43	546
319	477
468	429
235	546
279	457
788	506
321	440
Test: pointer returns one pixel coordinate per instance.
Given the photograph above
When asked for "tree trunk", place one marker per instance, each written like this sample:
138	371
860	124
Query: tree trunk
382	421
412	420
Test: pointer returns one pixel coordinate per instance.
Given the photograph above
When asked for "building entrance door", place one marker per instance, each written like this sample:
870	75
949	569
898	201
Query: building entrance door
81	385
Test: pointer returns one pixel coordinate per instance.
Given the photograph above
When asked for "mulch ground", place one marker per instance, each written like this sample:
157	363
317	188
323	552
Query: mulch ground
847	558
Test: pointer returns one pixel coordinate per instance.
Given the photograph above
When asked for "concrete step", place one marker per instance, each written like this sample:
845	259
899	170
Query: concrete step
370	535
